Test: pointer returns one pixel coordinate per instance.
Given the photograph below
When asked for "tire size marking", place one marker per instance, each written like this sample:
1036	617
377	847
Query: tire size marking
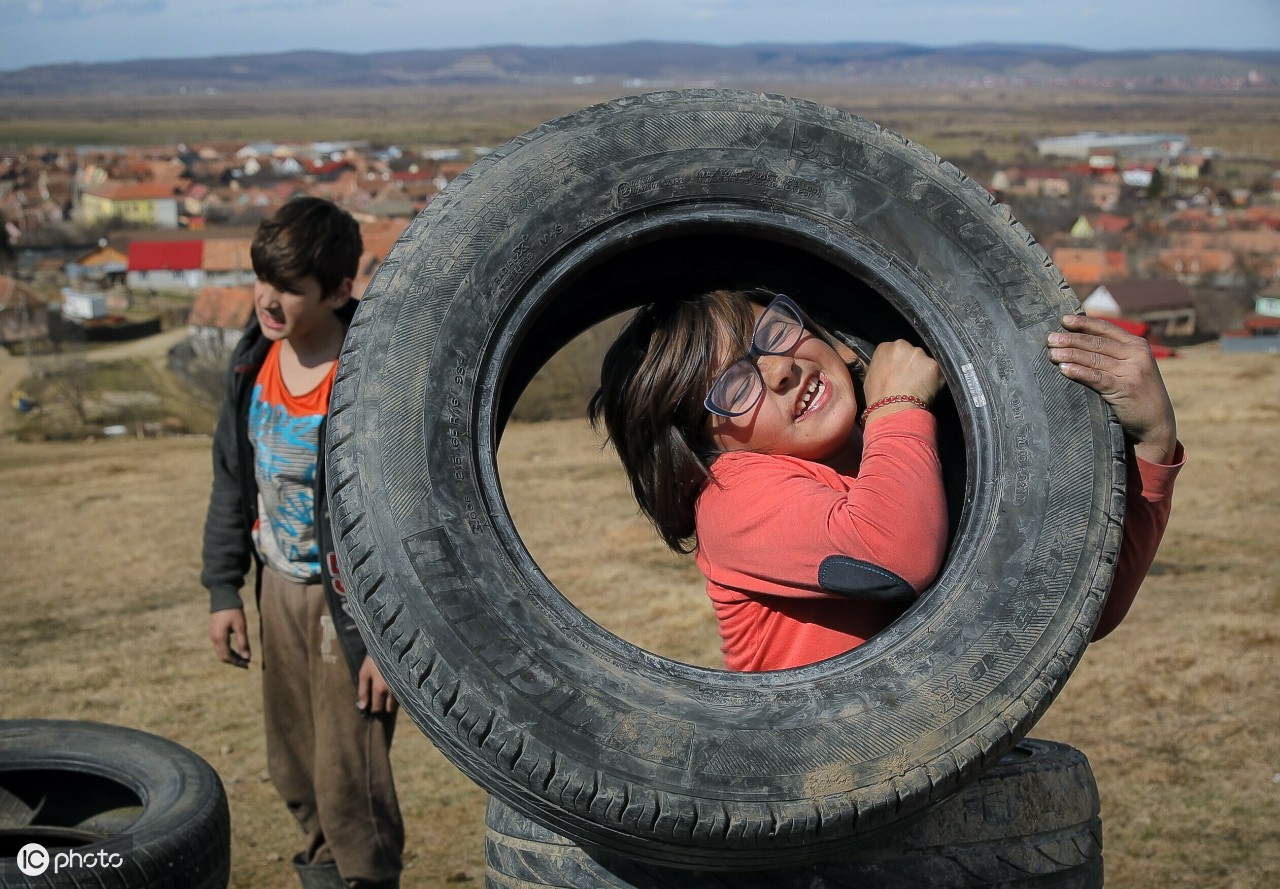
759	179
648	183
975	388
763	180
1022	457
456	433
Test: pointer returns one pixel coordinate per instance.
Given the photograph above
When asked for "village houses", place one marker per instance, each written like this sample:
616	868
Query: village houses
178	219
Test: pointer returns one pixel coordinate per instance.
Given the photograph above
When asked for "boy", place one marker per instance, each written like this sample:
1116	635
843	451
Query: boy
328	746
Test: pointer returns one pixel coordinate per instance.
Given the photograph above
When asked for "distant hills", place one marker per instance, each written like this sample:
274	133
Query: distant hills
654	64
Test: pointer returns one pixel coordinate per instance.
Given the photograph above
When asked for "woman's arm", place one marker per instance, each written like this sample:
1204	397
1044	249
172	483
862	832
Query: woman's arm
1121	368
1148	499
768	522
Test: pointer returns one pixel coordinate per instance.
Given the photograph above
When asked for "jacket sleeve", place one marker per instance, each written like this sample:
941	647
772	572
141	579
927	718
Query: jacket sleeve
228	546
769	528
1148	500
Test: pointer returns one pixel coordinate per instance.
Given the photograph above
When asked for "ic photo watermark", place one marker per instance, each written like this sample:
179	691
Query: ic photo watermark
35	860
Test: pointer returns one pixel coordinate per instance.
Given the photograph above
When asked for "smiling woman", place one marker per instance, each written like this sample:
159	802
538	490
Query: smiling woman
812	536
675	194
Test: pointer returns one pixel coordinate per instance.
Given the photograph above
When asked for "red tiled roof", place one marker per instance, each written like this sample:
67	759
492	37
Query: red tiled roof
322	167
226	308
1110	223
1261	322
133	191
1080	265
1197	262
1261	215
1117	264
1089	265
150	256
227	255
101	256
1137	328
451	170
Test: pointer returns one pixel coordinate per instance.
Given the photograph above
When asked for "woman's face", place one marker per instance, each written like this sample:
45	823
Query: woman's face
809	408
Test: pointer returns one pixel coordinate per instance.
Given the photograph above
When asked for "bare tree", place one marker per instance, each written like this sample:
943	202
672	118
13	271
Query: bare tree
70	379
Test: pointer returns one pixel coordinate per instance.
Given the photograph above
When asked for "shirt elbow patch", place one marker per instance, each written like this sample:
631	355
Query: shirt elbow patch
862	580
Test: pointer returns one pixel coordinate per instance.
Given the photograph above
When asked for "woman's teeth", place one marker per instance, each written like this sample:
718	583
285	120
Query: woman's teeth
814	388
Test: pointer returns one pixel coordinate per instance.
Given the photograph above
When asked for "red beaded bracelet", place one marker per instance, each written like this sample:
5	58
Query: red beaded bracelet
892	399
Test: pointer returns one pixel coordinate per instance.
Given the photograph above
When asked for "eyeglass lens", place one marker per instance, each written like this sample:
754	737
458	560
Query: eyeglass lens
738	389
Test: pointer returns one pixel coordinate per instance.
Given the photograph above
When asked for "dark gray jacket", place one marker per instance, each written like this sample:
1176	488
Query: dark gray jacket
233	504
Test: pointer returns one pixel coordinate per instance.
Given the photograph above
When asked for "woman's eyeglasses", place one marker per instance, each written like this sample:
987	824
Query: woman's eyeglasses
740	386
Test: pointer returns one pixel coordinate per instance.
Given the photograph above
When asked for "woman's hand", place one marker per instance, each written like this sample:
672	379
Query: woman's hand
1120	367
899	368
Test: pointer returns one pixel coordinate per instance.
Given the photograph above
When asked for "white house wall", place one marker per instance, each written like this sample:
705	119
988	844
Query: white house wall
166	279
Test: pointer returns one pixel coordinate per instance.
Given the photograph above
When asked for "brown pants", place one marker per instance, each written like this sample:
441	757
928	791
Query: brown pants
330	763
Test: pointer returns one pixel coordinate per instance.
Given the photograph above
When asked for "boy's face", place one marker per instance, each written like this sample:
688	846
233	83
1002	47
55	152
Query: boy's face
809	407
297	313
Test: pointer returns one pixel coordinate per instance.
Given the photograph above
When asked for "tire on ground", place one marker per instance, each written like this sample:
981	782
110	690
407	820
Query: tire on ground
138	811
674	193
1031	822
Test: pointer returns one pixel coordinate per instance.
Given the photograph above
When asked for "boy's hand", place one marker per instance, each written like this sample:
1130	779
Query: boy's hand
1120	367
899	368
230	637
373	696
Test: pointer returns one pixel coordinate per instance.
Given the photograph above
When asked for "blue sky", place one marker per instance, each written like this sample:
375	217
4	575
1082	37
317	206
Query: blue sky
35	32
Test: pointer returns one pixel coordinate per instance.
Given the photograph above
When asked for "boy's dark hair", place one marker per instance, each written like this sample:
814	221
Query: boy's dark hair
307	237
652	385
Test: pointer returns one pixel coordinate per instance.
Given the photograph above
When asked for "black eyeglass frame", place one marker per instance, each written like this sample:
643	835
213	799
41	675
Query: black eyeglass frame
753	350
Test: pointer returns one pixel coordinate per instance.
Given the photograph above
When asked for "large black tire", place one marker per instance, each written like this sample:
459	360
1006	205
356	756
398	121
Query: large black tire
1031	821
139	811
613	746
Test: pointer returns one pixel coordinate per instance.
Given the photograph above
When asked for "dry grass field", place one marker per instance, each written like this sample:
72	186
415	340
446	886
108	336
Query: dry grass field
103	619
1003	122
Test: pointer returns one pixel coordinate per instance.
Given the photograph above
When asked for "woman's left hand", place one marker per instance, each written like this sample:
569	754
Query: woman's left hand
1120	367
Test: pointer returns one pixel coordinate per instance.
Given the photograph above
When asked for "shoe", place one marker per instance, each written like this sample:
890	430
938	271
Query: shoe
318	876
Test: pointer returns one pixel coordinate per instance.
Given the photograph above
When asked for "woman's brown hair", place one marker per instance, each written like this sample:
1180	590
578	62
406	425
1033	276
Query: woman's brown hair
652	385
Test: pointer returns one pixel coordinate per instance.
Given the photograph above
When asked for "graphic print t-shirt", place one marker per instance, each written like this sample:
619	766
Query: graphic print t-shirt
285	431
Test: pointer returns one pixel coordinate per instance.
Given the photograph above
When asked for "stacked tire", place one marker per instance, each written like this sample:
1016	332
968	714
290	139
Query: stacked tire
1031	822
86	804
617	750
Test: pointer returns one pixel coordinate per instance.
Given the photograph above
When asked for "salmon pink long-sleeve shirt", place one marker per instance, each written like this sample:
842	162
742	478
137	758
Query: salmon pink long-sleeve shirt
767	523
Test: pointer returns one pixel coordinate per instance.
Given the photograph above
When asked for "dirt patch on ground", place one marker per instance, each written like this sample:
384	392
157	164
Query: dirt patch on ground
1178	711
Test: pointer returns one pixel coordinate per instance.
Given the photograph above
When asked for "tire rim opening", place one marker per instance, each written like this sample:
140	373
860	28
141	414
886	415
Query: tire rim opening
610	563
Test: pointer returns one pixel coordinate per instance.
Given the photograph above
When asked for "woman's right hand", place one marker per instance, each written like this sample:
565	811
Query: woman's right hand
899	368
